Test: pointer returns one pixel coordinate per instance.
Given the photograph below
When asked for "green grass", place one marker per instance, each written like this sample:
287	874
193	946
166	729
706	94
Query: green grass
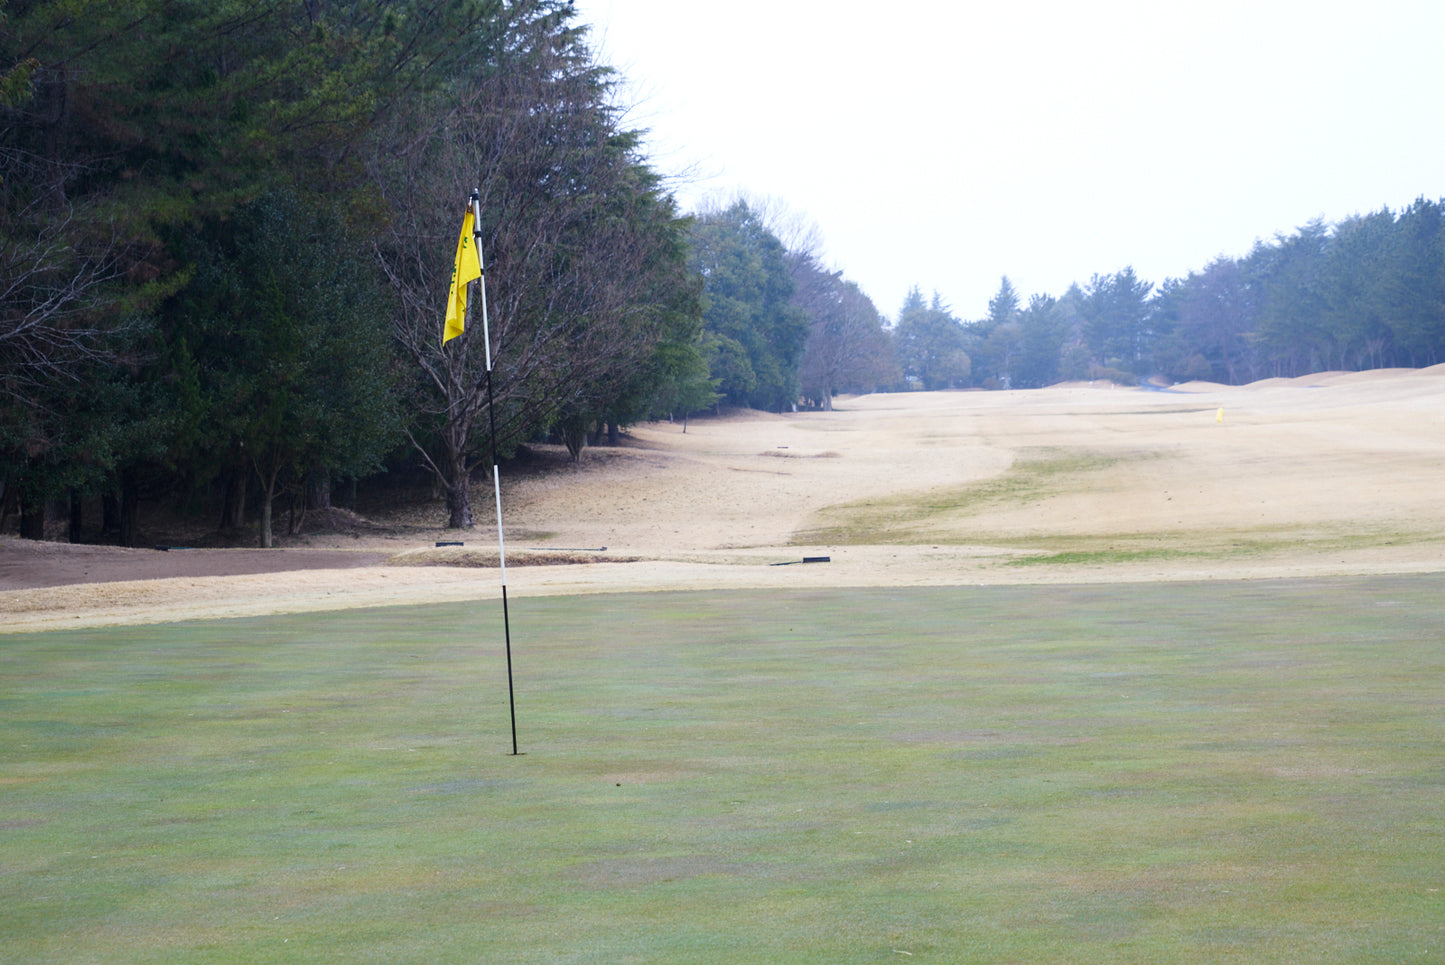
923	515
1101	557
1256	543
1233	772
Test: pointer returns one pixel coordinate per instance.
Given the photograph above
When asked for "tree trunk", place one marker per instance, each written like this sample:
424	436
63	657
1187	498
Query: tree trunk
459	506
268	500
318	489
614	433
32	517
129	511
576	440
110	516
233	505
296	509
77	516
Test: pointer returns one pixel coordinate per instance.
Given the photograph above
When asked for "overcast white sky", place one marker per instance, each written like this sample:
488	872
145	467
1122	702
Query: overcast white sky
947	144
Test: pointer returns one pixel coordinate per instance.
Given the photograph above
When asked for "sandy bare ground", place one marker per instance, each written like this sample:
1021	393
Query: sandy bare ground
1326	475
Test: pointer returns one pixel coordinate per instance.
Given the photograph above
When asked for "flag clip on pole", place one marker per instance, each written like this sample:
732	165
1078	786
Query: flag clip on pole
468	269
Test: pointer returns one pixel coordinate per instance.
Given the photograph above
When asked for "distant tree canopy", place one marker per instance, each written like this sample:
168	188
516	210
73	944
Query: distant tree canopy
779	326
1368	292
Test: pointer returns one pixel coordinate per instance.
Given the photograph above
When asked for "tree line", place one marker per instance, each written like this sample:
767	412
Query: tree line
226	232
1366	292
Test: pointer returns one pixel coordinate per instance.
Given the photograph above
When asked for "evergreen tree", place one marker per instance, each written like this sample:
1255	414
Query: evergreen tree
1042	331
760	334
1356	277
996	341
1292	301
1116	319
1216	313
930	343
1414	291
288	325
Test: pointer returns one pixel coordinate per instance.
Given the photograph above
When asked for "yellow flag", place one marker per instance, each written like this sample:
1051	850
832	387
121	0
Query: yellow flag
467	267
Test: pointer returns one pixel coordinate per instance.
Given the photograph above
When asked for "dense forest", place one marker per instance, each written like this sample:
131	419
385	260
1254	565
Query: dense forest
226	233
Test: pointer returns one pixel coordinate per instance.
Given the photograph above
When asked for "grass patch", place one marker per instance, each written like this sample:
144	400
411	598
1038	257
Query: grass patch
1242	772
791	454
1259	543
915	517
1101	557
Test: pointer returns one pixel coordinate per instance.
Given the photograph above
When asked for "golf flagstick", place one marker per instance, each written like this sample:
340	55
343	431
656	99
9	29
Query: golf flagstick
476	212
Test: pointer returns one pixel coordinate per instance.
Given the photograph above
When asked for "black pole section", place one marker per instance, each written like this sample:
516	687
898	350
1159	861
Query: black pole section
511	700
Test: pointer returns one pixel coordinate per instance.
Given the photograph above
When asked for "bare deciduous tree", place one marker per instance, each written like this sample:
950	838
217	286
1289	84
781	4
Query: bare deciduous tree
847	348
584	253
52	285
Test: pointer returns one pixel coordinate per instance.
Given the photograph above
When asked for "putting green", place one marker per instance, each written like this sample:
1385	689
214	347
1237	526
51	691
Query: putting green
1238	772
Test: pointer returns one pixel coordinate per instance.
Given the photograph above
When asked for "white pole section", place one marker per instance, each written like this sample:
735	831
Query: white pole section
481	264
